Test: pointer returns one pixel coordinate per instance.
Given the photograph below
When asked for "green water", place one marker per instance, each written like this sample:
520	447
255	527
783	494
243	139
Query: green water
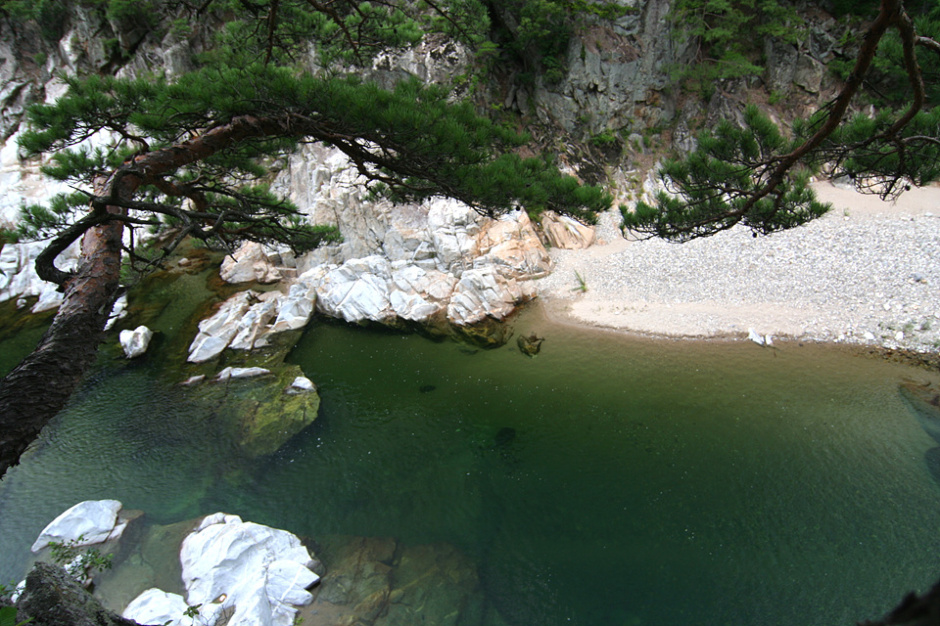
607	481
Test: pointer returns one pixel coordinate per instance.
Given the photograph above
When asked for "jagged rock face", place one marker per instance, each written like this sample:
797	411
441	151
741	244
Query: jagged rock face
18	278
253	263
616	73
561	231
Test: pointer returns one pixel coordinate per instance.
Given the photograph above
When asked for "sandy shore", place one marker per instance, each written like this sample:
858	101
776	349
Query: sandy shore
868	272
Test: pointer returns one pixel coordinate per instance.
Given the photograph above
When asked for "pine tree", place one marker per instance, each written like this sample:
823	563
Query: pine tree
191	152
756	177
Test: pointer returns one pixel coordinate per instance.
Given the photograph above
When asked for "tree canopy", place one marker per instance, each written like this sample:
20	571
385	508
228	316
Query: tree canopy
190	155
409	142
757	176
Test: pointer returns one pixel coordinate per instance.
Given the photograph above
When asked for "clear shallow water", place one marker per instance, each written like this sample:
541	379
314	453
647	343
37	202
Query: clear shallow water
607	481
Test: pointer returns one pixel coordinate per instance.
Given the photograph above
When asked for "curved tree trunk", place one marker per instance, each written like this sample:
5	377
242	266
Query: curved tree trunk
40	386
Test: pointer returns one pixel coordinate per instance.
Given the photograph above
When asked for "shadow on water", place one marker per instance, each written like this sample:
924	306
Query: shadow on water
932	458
924	401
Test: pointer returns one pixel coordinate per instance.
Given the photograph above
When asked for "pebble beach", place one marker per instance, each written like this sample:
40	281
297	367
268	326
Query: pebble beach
868	272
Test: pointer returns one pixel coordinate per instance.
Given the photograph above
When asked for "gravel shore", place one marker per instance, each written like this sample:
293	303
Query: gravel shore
868	272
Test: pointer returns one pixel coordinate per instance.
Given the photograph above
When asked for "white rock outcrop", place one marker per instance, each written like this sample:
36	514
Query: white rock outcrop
241	372
156	606
434	262
567	233
18	278
135	342
485	292
241	572
86	523
248	318
252	262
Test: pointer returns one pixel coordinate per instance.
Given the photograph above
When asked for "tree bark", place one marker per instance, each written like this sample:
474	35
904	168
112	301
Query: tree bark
40	386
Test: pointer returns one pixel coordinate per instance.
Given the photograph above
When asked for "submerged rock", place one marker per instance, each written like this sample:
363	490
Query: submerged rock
531	345
380	581
260	408
924	400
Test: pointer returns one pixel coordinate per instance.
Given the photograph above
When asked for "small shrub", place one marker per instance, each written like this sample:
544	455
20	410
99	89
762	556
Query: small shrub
79	561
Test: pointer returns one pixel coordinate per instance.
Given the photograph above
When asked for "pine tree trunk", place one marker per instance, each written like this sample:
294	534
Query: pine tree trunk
40	386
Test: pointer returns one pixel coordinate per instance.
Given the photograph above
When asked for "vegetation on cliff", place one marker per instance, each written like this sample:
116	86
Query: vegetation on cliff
755	175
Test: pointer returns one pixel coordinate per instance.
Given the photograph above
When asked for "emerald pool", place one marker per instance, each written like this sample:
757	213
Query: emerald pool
609	480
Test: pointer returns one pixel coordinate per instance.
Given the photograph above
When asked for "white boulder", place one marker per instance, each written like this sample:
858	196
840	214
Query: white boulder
253	324
241	372
761	340
302	384
295	309
86	523
261	572
356	291
511	245
235	572
156	606
135	341
217	331
118	311
418	294
248	318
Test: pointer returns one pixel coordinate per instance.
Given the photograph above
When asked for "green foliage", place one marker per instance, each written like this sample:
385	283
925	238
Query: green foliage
884	163
582	284
732	34
39	221
411	142
7	236
887	82
143	11
537	32
604	138
50	15
8	617
840	8
719	185
78	561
